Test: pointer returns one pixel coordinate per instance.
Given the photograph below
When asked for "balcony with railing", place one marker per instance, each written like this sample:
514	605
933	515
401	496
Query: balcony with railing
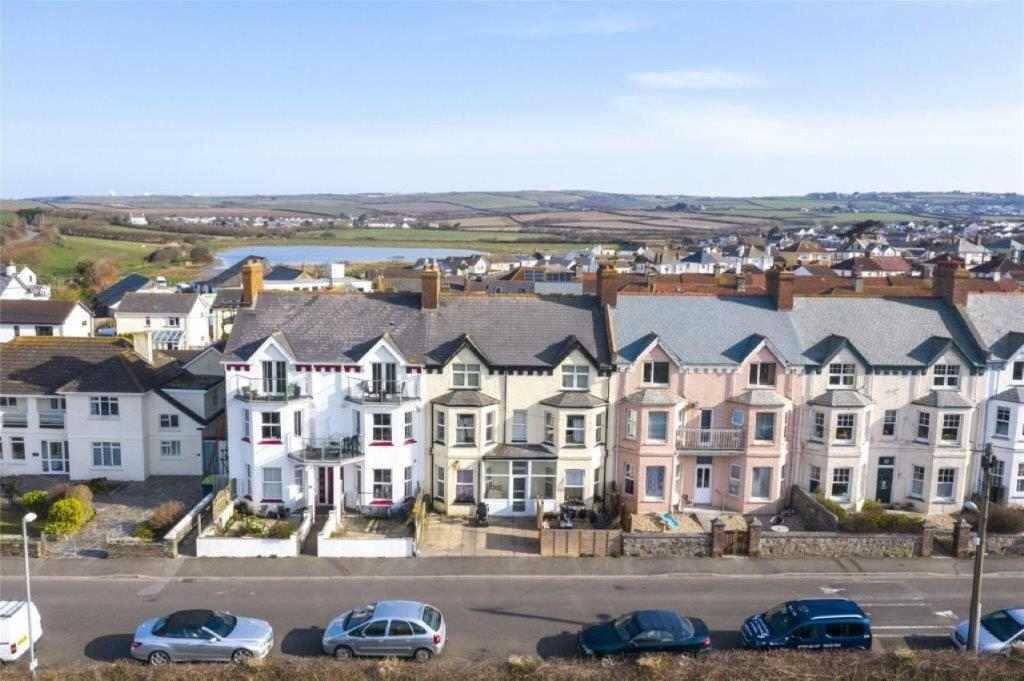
51	419
260	390
393	392
710	439
325	450
15	419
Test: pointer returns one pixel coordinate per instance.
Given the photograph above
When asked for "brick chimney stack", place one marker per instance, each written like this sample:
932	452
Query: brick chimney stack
607	285
252	283
780	287
950	283
430	281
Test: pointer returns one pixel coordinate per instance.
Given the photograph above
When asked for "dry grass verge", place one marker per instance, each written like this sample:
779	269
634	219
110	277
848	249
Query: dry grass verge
726	666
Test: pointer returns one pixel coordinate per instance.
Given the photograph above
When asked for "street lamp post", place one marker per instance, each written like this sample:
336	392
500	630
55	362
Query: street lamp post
988	460
25	520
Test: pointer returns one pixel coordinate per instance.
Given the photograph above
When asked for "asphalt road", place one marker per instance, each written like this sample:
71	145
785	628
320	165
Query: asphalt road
92	618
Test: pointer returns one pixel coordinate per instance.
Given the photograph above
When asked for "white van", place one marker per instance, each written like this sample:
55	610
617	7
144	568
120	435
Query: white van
14	628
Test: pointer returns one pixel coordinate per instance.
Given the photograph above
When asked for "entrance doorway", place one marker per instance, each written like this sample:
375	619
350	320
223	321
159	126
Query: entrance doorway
702	484
55	457
883	480
324	486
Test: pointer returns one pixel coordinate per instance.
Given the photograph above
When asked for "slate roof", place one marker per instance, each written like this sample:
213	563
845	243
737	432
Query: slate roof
231	276
654	397
35	311
466	398
158	303
116	291
944	399
702	329
520	451
227	298
847	399
574	399
998	321
515	331
33	365
284	273
1015	395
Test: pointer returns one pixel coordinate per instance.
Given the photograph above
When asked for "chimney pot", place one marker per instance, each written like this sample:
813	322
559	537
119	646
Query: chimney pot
430	282
252	283
607	285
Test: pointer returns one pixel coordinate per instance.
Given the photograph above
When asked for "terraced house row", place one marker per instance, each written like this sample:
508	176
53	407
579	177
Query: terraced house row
669	400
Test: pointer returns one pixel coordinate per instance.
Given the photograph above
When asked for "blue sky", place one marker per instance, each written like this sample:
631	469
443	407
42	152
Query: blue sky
701	98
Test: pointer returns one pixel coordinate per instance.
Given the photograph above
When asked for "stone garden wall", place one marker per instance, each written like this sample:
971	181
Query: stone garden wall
666	545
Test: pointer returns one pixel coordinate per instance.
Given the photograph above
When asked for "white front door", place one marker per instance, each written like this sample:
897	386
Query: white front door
702	485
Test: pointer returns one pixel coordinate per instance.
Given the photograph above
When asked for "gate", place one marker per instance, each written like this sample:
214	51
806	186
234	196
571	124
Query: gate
736	543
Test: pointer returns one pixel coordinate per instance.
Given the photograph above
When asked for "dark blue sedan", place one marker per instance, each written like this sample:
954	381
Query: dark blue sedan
646	631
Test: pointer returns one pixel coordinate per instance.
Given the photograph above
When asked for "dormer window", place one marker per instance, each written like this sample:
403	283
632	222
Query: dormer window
946	376
841	375
656	373
575	377
174	321
384	378
466	375
762	374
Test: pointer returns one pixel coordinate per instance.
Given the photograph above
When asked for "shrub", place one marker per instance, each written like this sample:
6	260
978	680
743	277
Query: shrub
879	521
165	515
1005	519
66	516
36	500
838	510
100	485
280	530
84	495
872	506
57	491
145	532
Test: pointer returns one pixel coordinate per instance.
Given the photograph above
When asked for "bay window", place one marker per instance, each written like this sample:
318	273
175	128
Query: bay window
1002	421
654	482
574	484
542	479
1020	478
944	483
599	428
575	430
439	427
628	481
465	430
489	427
814	479
657	426
409	430
951	427
924	425
761	482
631	419
734	480
465	486
845	424
407	481
272	485
439	482
382	428
818	428
496	479
841	483
549	428
764	426
917	482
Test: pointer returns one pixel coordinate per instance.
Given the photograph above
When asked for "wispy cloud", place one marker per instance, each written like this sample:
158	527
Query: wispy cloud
697	79
557	24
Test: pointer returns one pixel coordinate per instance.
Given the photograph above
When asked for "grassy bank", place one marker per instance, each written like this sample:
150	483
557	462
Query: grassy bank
728	666
487	242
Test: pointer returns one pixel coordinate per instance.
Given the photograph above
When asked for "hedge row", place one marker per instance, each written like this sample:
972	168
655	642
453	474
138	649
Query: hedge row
726	666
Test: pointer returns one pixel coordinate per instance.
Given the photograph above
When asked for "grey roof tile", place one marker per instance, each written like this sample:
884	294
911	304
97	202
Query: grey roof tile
998	320
35	311
158	303
654	397
760	397
466	398
574	399
944	399
847	399
1015	395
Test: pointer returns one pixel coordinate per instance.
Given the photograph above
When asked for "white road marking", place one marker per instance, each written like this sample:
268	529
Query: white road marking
830	590
947	613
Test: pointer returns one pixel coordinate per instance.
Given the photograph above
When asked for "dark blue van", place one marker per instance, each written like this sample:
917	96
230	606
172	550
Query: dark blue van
815	624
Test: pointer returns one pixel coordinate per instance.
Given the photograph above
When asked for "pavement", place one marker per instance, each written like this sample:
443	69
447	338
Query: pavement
494	606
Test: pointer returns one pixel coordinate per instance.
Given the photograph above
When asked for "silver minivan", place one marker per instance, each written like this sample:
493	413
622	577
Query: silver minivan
387	629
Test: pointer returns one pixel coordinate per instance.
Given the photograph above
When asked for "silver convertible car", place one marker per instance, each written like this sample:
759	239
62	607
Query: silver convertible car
387	629
201	635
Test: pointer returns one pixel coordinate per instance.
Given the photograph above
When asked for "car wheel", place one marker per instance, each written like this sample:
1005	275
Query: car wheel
158	658
241	656
422	655
343	653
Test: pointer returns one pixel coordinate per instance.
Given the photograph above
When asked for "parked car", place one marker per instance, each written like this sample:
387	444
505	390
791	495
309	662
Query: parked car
14	626
809	625
201	635
1000	631
387	629
646	631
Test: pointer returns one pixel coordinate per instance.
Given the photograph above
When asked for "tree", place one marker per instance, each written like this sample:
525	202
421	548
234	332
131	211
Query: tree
95	275
200	253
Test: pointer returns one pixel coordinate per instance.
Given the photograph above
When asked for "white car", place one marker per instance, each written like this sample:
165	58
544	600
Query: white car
1000	631
14	620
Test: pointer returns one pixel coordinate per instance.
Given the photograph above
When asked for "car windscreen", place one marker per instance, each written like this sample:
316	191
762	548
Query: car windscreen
685	628
221	623
779	620
432	618
1001	625
357	617
626	628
